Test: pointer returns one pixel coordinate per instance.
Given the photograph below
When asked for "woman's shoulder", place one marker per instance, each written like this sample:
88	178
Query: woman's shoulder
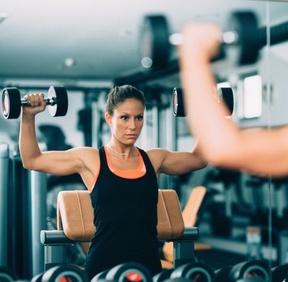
156	151
156	154
85	150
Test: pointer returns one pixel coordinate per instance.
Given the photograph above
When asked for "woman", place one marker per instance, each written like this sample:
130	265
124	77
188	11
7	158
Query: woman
223	143
121	178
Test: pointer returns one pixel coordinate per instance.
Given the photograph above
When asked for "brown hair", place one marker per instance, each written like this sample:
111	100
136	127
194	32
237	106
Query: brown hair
119	94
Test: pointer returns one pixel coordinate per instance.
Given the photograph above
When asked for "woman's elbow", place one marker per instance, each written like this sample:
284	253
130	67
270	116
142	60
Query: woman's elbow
28	164
203	164
217	158
200	164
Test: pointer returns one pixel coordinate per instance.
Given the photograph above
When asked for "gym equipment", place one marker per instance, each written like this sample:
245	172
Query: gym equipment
100	276
180	279
4	202
244	40
6	275
221	275
280	273
130	271
19	210
72	215
252	279
249	269
196	271
57	100
225	94
190	215
254	242
37	182
163	275
66	272
38	277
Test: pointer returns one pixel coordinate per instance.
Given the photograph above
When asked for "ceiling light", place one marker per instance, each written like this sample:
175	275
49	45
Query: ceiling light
69	62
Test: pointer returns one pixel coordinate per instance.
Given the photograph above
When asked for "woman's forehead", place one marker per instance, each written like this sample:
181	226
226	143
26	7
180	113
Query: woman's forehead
130	104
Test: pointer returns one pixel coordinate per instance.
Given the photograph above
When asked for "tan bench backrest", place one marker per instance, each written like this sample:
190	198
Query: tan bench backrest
75	215
193	204
189	214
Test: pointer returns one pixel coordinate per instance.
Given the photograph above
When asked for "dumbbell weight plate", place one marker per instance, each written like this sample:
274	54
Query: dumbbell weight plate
154	42
246	50
249	269
11	103
280	273
254	279
69	272
100	276
6	275
163	275
178	103
179	279
131	271
37	278
222	274
225	94
196	271
60	108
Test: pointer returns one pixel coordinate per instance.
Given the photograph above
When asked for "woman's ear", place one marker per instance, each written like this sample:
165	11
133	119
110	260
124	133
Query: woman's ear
108	118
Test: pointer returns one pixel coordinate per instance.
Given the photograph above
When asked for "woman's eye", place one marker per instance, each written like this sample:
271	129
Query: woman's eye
124	117
140	118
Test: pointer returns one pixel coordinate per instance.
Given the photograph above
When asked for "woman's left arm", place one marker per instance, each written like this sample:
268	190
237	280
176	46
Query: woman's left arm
176	163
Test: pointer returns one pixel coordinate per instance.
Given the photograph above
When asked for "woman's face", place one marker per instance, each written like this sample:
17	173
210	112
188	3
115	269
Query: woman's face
127	121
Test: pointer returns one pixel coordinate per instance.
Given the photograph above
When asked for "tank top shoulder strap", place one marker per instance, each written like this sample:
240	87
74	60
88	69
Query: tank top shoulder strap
146	160
102	156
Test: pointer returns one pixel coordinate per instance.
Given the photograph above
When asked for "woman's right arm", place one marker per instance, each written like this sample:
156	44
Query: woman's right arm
76	160
223	143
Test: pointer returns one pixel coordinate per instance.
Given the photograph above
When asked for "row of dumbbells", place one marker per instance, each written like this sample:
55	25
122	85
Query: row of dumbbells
247	271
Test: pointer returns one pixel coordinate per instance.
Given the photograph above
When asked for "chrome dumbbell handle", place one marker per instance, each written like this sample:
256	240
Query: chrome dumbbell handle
49	101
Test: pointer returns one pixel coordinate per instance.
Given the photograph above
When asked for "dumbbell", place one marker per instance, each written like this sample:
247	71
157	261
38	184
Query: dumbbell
222	274
6	274
57	100
225	94
245	39
163	275
37	277
130	271
280	273
257	269
195	271
64	272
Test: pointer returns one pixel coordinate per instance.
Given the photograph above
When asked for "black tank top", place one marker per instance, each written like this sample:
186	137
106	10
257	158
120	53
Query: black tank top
125	216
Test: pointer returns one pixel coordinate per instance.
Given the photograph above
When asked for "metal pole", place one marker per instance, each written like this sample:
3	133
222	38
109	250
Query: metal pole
4	183
38	218
19	255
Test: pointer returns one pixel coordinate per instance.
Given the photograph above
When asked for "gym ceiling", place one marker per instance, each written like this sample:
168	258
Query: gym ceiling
91	43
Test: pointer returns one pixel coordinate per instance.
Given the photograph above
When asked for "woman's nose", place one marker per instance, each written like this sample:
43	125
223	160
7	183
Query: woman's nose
132	124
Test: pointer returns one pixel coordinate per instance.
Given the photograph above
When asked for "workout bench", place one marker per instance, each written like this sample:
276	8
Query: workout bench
190	215
75	224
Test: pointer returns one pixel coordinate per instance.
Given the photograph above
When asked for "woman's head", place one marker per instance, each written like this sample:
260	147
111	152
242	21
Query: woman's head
120	94
125	113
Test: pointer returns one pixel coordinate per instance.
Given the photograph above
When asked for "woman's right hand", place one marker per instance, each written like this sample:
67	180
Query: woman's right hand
36	102
201	40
